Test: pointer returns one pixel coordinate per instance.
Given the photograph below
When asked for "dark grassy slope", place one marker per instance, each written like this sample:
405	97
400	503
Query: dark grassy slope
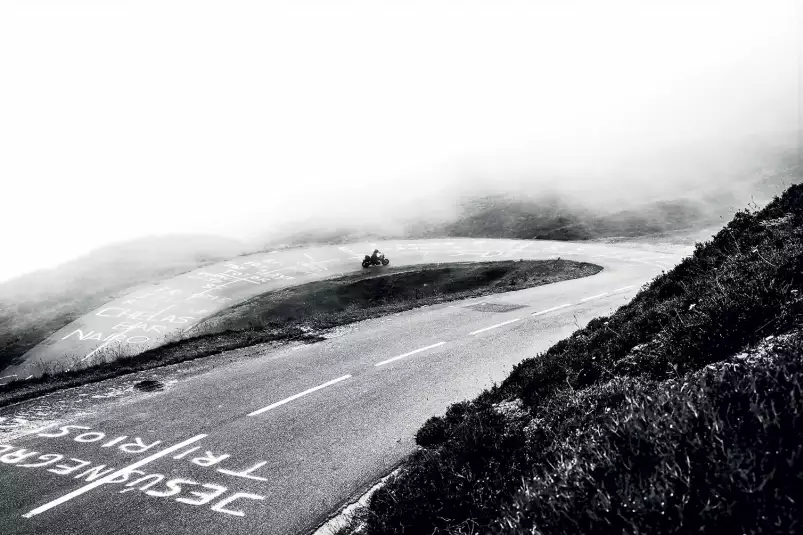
553	218
335	302
643	422
539	212
716	452
303	312
171	353
35	305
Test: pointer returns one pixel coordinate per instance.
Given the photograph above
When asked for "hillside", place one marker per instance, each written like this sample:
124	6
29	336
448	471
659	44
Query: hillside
679	413
334	302
555	218
34	305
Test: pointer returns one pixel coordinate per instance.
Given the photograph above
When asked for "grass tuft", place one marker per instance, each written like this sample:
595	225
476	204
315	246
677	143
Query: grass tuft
681	412
303	313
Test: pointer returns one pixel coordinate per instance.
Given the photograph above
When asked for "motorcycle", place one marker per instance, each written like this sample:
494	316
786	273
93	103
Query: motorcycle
380	261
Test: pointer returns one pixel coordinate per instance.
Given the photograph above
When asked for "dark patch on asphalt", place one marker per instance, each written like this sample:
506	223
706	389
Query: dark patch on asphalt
149	385
495	307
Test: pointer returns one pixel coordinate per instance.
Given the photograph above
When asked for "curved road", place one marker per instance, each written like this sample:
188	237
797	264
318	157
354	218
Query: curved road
275	439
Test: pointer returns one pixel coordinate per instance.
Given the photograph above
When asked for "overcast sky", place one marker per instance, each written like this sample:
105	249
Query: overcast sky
120	119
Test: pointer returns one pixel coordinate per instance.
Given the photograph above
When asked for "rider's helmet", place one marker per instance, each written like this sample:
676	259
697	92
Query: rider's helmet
376	251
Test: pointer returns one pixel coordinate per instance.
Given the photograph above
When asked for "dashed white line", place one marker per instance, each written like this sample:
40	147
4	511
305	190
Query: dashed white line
494	326
603	294
551	309
296	396
8	376
111	477
419	350
623	288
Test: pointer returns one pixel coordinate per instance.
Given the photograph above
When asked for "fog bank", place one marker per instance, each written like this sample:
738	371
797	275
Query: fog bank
126	119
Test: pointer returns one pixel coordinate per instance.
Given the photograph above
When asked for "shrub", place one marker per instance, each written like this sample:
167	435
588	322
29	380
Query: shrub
640	422
719	452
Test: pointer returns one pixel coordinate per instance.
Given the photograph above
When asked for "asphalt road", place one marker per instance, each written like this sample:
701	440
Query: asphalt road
159	312
278	439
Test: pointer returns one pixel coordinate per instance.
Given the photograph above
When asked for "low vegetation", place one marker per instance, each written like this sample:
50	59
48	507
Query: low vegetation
679	413
334	302
596	212
553	218
303	313
109	364
37	304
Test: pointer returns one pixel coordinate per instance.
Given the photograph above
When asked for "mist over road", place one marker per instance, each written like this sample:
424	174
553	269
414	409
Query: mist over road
158	312
277	440
270	124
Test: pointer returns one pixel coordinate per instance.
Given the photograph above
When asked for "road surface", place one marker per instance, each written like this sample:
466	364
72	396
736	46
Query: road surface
158	312
278	438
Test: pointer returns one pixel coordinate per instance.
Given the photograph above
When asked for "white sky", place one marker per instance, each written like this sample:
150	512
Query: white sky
120	119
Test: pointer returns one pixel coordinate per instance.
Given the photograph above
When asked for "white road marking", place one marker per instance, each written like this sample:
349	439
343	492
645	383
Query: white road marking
157	313
349	252
623	288
318	263
104	344
603	294
419	350
296	396
276	270
494	326
551	309
8	376
29	377
110	477
235	278
246	474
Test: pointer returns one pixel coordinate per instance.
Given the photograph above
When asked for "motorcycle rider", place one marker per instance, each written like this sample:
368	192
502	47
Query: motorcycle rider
375	256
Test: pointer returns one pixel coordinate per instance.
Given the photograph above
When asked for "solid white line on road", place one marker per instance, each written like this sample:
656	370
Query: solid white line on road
304	393
623	288
110	477
603	294
419	350
494	326
551	309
